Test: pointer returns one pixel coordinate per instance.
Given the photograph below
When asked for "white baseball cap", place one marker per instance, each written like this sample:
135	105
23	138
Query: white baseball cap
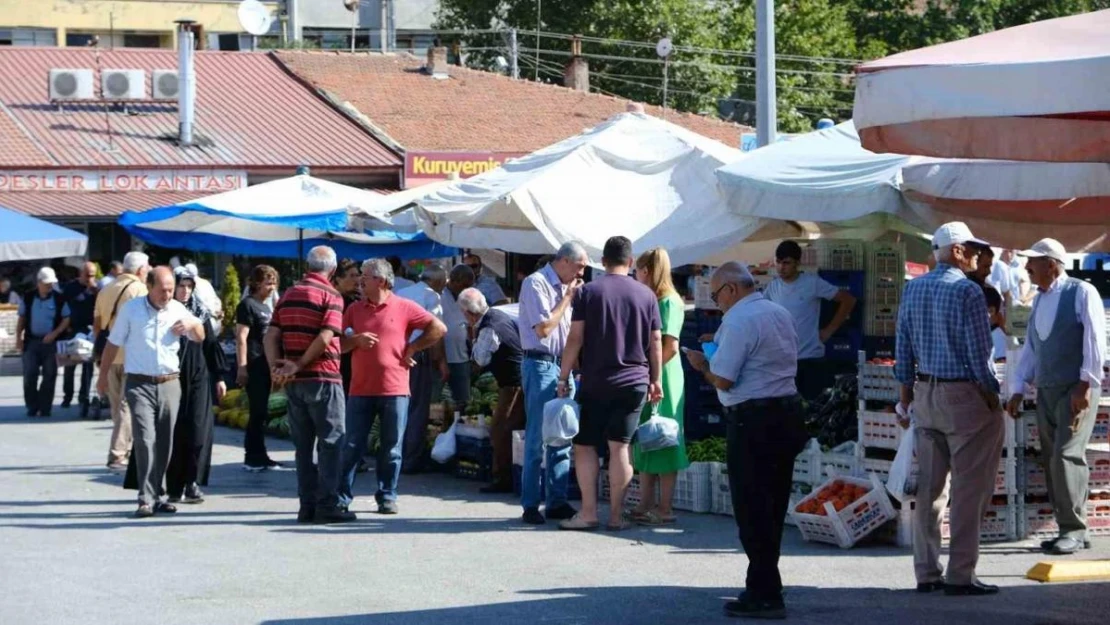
47	276
954	233
1047	248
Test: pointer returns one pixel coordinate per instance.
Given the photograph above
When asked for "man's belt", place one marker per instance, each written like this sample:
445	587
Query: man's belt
153	379
536	354
762	403
925	377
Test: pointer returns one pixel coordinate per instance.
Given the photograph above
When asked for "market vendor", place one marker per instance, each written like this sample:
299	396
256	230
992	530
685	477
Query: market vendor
1063	357
801	293
43	318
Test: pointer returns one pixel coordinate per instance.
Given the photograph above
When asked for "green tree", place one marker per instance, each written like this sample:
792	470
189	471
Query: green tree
230	295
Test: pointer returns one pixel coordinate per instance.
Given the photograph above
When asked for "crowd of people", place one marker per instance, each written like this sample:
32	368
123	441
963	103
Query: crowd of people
358	345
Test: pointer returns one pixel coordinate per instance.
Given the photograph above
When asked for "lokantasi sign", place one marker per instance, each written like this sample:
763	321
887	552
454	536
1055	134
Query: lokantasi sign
441	165
77	181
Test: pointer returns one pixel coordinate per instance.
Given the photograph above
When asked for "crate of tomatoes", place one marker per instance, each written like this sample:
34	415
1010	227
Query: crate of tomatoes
843	511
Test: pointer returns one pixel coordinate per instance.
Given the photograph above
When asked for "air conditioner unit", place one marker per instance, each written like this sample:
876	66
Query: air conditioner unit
71	84
164	85
123	84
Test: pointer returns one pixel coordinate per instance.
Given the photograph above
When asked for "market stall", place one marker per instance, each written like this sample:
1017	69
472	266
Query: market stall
23	237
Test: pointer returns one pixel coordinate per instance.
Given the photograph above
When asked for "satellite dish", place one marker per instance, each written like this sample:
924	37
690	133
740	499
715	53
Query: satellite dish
664	47
254	18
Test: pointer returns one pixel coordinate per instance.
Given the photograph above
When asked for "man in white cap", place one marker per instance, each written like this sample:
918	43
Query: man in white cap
1063	357
943	361
43	317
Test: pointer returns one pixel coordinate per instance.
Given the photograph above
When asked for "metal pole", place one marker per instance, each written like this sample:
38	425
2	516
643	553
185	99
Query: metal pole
514	53
766	113
354	26
666	75
539	12
382	32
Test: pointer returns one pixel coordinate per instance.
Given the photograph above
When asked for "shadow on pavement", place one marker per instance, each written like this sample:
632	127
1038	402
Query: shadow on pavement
665	605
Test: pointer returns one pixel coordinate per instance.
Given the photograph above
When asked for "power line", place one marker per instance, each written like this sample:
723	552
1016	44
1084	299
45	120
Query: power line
698	64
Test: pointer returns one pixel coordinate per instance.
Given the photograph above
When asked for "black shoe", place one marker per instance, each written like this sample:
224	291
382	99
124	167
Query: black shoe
496	489
174	499
532	516
306	515
84	411
165	508
32	413
255	466
66	403
928	587
1067	545
335	515
562	513
193	494
387	507
746	607
273	465
975	589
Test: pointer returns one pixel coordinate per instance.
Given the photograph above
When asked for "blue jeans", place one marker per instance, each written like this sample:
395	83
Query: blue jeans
539	379
361	412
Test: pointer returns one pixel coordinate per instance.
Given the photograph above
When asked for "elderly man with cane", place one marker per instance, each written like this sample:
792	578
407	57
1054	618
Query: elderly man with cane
1063	357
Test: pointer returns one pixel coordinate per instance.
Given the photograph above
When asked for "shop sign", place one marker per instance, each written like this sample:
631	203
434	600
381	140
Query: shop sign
78	181
441	165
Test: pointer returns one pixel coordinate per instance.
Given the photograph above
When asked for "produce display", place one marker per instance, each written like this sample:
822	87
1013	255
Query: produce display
831	418
712	449
840	494
234	411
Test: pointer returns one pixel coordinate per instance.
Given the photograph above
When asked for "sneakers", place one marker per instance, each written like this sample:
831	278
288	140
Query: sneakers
266	464
193	495
387	507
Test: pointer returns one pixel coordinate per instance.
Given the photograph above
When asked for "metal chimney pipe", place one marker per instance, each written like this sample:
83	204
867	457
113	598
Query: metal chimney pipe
187	81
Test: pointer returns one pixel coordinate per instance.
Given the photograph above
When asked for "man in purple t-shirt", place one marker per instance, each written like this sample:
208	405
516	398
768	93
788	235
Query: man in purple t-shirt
616	344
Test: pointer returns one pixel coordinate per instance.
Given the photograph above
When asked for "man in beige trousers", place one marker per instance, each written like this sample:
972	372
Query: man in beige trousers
944	364
126	287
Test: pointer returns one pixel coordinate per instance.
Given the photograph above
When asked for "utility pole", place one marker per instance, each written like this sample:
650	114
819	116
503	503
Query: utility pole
384	32
514	54
766	110
539	13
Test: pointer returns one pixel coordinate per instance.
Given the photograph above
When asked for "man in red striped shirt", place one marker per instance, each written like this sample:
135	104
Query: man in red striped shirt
302	347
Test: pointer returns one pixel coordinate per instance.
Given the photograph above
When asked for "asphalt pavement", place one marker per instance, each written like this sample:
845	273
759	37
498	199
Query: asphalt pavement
71	553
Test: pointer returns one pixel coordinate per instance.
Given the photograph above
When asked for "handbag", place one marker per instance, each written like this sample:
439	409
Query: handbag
657	432
443	450
102	336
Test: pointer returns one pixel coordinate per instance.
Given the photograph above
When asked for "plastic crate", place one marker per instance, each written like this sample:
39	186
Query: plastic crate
479	470
886	259
471	431
470	448
877	382
881	321
1005	482
848	526
1039	521
879	429
883	292
838	255
722	492
843	460
692	490
807	465
1017	320
631	494
1100	434
999	525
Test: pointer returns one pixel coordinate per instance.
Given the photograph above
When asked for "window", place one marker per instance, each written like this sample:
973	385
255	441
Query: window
142	40
79	40
224	41
28	37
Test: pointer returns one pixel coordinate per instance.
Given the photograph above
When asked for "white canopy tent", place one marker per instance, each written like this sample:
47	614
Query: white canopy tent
633	175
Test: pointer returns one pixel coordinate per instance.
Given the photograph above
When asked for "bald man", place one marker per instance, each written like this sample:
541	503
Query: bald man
149	330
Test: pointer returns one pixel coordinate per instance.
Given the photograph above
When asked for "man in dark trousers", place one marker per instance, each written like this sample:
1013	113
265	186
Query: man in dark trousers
81	297
753	372
497	350
43	318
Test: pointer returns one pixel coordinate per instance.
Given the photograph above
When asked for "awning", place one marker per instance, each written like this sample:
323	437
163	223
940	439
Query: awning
23	237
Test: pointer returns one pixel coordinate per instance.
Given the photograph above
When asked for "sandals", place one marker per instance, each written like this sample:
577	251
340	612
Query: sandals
576	524
652	518
609	527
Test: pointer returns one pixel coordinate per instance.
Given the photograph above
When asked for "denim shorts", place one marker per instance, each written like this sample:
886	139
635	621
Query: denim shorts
610	416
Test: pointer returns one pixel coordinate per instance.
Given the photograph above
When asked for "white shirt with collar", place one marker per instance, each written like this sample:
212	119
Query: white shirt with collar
757	348
146	336
1089	311
427	298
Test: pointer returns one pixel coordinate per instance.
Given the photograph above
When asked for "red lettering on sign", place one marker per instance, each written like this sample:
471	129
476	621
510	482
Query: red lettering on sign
78	182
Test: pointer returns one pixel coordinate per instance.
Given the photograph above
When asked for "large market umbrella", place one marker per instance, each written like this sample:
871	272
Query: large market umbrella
23	237
633	175
282	218
828	178
1037	92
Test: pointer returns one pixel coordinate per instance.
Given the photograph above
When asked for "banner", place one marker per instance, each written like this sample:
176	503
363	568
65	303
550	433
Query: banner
441	165
80	181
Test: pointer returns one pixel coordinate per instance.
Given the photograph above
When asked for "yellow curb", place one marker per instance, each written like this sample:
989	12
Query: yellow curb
1070	571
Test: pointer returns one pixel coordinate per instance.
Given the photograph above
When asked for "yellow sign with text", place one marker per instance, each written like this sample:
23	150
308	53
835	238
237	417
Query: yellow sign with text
442	165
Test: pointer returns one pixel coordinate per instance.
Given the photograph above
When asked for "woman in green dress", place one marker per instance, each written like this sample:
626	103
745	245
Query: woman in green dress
653	268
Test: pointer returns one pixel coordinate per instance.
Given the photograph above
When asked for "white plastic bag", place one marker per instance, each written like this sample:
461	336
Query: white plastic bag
560	422
444	448
657	432
902	481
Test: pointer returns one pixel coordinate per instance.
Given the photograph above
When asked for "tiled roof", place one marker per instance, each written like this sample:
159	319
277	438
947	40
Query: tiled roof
93	204
472	110
250	113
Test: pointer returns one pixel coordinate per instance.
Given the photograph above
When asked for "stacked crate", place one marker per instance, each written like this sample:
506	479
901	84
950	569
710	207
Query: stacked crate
703	413
886	274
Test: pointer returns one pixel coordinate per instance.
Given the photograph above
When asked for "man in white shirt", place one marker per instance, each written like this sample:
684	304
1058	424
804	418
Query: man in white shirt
801	294
1063	357
753	372
149	330
422	376
458	331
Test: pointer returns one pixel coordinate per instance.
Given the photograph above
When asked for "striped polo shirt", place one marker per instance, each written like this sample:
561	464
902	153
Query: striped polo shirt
301	313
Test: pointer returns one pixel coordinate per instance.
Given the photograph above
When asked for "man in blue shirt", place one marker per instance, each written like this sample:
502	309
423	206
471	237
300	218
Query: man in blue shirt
753	371
944	364
43	317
